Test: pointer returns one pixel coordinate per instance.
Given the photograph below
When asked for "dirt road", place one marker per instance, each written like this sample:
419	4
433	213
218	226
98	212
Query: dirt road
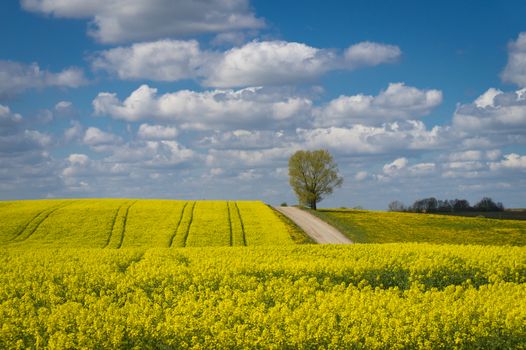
318	229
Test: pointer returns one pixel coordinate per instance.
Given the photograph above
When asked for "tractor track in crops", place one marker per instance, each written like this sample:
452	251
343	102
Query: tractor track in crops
113	225
230	223
316	228
189	225
242	225
170	243
35	219
123	232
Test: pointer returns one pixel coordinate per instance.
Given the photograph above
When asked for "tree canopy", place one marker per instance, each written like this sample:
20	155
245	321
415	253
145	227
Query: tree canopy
313	175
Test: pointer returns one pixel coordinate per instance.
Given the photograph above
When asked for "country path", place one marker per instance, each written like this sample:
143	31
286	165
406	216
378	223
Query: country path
318	229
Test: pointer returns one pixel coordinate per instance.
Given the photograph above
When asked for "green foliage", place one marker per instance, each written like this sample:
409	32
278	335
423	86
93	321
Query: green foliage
313	175
392	296
387	227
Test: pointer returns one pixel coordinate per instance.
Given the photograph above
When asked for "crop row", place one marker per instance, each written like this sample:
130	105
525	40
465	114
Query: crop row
415	296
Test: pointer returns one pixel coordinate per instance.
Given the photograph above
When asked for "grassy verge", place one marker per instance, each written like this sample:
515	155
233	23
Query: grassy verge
363	226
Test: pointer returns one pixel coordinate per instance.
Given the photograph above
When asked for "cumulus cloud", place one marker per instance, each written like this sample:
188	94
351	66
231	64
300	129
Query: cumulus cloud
164	60
492	112
400	168
515	70
395	166
14	138
388	138
8	120
96	137
396	102
113	21
510	161
74	132
371	54
17	77
253	64
156	132
215	109
244	139
281	62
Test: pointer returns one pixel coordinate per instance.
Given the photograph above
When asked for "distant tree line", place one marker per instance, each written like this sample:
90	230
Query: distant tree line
433	205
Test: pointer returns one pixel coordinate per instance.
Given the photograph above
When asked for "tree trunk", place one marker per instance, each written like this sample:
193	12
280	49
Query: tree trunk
313	205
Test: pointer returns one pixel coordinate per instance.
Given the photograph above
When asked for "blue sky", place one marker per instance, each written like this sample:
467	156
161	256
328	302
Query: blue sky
179	99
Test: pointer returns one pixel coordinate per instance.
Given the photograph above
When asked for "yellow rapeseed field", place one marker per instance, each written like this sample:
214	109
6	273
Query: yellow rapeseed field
124	223
164	274
391	296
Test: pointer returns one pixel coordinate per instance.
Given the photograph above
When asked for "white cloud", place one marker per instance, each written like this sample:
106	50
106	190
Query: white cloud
388	138
395	166
156	132
15	139
361	175
494	111
151	154
244	139
465	155
164	60
269	63
96	137
371	54
74	132
515	70
256	63
113	21
487	99
397	102
8	120
510	161
281	62
215	109
17	77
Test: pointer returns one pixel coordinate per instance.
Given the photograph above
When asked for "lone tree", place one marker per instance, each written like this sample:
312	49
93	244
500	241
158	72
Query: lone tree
312	175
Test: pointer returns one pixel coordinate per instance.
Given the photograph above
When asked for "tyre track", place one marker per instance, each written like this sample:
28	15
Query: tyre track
113	226
170	243
230	223
242	225
38	223
189	225
123	231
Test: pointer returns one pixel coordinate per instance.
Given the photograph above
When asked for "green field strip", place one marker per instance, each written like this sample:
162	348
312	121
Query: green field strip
123	231
241	238
170	242
181	234
391	227
35	223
